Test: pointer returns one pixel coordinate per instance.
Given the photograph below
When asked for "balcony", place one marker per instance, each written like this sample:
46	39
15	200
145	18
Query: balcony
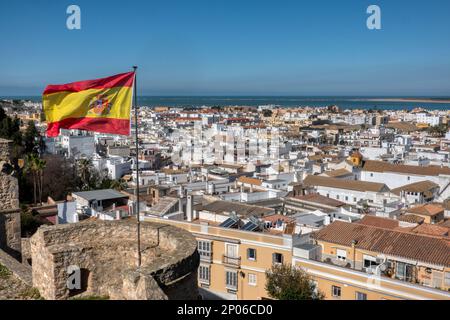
231	261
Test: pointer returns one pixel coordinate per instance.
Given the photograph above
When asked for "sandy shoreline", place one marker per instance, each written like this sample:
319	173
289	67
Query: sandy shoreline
407	100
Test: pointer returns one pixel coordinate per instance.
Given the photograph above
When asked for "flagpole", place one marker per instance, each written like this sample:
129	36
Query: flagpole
137	168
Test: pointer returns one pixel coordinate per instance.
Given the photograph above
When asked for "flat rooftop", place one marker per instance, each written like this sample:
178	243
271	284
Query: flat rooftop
105	194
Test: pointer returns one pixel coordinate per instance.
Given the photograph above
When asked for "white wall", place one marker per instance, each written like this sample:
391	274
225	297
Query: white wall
348	196
394	180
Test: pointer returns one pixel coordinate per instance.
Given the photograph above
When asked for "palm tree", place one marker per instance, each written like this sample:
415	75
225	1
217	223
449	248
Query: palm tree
84	172
118	185
30	168
35	166
40	166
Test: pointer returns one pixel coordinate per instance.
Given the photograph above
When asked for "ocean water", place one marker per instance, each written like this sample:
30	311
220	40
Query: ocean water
285	101
343	102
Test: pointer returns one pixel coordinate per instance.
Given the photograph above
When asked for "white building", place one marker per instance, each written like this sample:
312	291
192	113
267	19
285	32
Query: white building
431	120
350	191
78	146
395	175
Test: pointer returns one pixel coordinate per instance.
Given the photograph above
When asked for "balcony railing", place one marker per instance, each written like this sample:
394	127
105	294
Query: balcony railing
232	261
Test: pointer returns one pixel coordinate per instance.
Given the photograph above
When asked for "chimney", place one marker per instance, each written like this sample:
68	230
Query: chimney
189	208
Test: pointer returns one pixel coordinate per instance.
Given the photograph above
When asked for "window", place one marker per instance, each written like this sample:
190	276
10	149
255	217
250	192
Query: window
252	279
337	197
328	195
354	199
336	291
204	274
231	279
204	249
369	261
277	258
371	174
404	271
361	296
341	255
437	279
251	254
447	279
346	198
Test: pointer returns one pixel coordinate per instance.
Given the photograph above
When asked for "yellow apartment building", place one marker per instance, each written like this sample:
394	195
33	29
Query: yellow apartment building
339	283
234	262
354	261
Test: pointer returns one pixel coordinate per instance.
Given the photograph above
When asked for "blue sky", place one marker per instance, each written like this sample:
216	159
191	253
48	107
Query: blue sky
246	47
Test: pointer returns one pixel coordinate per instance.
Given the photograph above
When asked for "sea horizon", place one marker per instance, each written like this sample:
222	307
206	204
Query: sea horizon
384	102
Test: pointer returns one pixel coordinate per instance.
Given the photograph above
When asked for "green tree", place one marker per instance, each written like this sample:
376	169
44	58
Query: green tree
40	165
285	282
29	223
85	172
267	113
31	138
10	129
118	185
2	114
438	131
30	168
60	178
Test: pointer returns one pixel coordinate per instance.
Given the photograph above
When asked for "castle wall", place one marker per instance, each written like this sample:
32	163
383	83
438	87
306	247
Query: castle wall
106	252
10	240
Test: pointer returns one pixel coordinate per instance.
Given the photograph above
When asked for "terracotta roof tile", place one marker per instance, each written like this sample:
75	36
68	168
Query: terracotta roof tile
417	247
411	218
432	229
421	186
338	173
379	222
380	166
249	180
317	198
426	209
345	184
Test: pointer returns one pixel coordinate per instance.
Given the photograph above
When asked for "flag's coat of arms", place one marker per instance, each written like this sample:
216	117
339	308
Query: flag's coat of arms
100	105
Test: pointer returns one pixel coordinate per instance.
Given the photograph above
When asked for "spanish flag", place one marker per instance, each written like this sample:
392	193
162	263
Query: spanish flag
101	105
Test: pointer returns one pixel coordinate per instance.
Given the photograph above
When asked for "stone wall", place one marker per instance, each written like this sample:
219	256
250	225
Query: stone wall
106	252
10	240
21	271
9	204
9	187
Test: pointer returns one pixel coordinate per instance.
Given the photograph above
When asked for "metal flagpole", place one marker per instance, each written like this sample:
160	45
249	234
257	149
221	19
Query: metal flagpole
137	168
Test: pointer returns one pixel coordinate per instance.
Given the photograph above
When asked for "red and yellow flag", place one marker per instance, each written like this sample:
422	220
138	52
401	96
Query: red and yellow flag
101	105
